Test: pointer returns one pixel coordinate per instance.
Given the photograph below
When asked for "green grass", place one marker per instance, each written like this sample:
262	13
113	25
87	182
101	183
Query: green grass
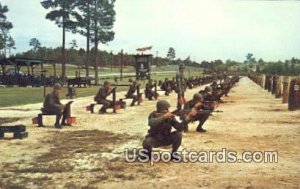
21	95
71	70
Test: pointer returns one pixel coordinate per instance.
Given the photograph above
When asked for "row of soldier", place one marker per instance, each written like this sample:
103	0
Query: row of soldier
179	87
162	120
199	108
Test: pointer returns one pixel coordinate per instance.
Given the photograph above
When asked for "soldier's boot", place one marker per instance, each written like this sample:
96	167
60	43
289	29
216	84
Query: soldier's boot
40	120
63	123
57	124
200	129
133	102
201	123
102	111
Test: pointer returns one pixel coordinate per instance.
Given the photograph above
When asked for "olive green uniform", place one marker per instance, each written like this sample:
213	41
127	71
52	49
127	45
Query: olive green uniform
52	105
101	96
160	133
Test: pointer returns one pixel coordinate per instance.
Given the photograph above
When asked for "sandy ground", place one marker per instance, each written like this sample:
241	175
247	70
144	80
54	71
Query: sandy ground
90	154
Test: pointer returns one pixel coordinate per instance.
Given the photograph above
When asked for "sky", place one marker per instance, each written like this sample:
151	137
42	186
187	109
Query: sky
202	29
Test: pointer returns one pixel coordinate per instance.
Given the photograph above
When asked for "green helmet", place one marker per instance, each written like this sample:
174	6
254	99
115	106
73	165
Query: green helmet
181	66
162	105
197	97
57	86
208	89
106	83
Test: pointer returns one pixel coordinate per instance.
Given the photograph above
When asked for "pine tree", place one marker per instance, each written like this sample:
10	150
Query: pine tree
63	13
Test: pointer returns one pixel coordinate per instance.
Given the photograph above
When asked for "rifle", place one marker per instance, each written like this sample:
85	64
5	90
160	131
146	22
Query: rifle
185	112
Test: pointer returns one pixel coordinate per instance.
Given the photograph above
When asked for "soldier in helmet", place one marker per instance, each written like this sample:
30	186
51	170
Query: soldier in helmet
130	93
166	86
209	95
181	86
149	93
52	105
161	123
203	110
101	96
214	85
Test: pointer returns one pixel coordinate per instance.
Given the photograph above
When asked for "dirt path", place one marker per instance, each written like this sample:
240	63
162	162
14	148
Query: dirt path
90	154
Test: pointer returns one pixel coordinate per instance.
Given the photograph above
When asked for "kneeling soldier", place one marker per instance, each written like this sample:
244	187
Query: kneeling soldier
203	110
149	93
166	86
209	95
100	98
161	122
130	93
52	105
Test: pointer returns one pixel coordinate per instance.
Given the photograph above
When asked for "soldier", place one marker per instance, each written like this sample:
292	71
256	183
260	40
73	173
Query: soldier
173	84
130	93
166	86
148	90
52	105
214	85
203	111
181	86
209	95
101	96
225	86
189	83
161	123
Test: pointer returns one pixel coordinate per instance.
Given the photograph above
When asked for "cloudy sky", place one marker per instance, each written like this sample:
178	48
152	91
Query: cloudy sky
201	29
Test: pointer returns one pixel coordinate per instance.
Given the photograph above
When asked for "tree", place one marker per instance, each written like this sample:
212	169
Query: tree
187	61
2	43
73	44
5	26
261	61
171	54
84	25
250	58
10	44
35	44
63	14
95	23
102	20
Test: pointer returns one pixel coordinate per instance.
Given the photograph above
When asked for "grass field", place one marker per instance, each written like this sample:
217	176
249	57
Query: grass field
12	96
71	70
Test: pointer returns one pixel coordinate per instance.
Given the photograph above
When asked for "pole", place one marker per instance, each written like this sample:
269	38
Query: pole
54	67
111	60
114	100
44	81
121	65
138	94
